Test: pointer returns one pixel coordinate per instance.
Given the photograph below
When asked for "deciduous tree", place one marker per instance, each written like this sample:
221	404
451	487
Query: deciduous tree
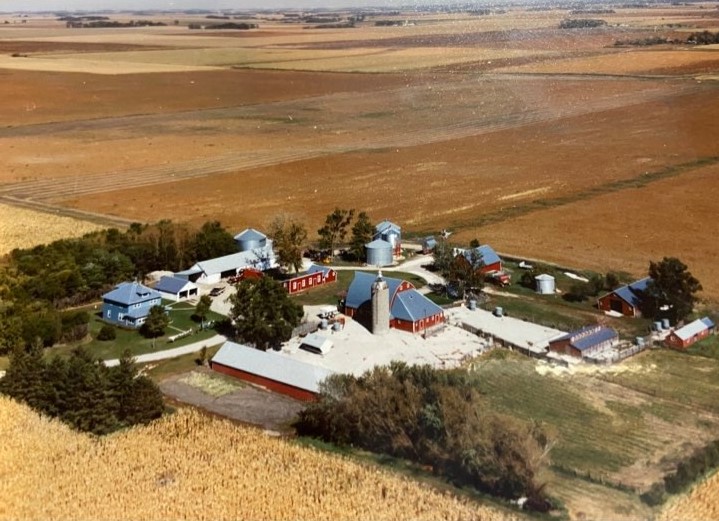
671	292
334	230
263	313
289	237
155	323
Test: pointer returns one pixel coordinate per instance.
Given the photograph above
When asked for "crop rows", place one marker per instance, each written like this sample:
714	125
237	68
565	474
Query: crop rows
190	466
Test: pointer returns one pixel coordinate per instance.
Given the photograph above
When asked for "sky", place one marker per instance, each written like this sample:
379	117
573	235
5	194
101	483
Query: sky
91	5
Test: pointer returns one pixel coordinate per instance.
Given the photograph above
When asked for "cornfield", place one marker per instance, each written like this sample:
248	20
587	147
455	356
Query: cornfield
702	503
21	228
189	466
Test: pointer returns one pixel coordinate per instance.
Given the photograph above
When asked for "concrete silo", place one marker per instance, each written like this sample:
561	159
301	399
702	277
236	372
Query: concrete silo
380	306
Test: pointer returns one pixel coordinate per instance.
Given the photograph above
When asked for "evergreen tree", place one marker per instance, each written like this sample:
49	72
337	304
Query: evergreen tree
24	379
362	233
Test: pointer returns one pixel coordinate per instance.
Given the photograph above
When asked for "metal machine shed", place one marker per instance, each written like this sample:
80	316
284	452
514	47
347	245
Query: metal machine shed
176	289
275	371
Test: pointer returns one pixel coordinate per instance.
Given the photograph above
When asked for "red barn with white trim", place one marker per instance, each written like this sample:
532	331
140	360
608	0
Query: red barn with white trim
315	276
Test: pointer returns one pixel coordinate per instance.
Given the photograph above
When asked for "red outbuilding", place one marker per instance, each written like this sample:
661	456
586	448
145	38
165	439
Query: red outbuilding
273	371
685	336
314	277
626	299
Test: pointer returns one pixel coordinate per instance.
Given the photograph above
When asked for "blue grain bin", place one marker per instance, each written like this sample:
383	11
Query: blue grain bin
379	253
665	323
658	325
472	305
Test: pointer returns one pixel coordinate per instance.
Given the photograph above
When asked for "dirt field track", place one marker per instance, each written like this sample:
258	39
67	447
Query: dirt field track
495	126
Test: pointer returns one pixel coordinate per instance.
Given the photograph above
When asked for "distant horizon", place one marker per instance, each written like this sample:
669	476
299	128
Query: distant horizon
20	6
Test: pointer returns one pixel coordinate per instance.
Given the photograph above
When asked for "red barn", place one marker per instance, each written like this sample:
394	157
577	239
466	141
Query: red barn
315	276
685	336
585	341
483	258
409	310
273	371
625	300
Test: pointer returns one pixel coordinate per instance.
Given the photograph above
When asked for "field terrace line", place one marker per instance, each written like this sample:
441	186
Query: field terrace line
45	194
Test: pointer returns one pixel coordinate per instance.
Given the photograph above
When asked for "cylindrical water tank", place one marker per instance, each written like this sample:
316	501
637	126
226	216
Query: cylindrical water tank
379	253
472	305
665	323
545	284
324	323
658	325
498	311
250	239
640	341
337	326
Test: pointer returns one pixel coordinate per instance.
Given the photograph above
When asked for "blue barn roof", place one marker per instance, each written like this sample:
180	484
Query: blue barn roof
587	337
411	305
129	293
172	284
486	255
708	322
360	290
631	293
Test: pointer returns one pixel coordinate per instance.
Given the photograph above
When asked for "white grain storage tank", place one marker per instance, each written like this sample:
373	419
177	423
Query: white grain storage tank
545	284
379	253
250	239
390	232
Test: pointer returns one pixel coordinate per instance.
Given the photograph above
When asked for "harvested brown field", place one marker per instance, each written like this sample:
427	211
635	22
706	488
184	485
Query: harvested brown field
190	466
624	230
21	46
22	228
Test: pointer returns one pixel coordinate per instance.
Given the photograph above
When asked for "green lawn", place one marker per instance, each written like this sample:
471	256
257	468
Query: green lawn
709	347
180	364
180	316
328	294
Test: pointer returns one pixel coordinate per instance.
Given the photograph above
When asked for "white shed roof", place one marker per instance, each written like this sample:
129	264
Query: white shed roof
319	342
691	329
272	365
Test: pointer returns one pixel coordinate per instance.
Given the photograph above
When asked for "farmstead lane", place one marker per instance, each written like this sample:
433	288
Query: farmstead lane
172	353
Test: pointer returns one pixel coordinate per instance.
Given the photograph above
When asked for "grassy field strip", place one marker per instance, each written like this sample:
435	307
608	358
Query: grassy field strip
93	66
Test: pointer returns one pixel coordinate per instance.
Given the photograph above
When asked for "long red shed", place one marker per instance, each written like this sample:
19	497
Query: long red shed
314	277
273	371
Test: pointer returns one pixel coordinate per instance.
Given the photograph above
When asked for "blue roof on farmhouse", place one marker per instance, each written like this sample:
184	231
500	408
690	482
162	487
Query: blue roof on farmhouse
360	290
250	234
588	337
411	305
387	226
172	284
131	293
631	293
485	253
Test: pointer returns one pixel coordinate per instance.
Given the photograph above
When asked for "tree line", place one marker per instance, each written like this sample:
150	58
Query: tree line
434	418
81	391
38	284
